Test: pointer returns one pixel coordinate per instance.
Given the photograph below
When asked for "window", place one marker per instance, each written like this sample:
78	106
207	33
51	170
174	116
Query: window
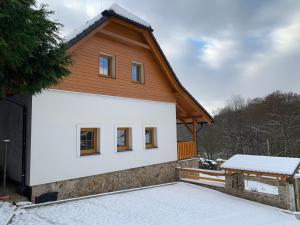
150	137
88	141
123	139
137	73
107	66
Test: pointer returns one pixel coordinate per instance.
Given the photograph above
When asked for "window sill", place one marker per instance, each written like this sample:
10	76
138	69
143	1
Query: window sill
125	150
154	147
107	76
137	82
90	154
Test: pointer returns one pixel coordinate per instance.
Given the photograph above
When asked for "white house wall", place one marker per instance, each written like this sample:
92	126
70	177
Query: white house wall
58	115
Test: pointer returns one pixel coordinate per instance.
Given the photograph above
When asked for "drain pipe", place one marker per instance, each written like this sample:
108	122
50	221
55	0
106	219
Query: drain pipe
24	142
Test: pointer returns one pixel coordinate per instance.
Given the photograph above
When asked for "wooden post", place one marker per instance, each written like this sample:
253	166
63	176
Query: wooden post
195	137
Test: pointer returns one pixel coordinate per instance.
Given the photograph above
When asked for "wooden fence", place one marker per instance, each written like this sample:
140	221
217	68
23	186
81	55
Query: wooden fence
186	150
202	175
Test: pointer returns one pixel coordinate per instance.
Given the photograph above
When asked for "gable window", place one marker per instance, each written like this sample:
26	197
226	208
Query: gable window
107	65
137	73
88	141
123	139
150	137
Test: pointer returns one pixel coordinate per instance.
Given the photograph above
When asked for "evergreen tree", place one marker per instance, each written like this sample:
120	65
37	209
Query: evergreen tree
32	55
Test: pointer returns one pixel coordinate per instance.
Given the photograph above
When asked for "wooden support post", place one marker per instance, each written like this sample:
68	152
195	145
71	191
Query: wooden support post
195	137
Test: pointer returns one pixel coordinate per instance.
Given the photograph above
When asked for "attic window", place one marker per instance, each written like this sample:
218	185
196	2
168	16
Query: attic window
107	65
137	72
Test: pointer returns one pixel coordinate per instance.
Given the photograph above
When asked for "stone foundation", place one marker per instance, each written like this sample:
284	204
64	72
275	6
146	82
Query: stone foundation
188	163
234	185
114	181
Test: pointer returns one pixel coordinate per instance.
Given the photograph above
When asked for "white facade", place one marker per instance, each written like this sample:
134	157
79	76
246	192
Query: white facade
56	120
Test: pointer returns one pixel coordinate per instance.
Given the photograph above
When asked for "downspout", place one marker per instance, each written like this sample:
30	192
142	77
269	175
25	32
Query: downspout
22	188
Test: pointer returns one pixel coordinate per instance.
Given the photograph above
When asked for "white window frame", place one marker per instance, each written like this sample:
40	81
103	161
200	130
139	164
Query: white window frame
99	138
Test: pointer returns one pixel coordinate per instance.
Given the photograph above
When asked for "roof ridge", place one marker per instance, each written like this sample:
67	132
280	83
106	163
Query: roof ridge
127	14
114	9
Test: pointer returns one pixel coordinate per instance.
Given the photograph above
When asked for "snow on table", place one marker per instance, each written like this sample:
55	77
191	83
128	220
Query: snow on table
182	204
267	164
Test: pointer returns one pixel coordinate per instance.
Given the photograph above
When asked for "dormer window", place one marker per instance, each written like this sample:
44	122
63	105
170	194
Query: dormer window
107	65
137	72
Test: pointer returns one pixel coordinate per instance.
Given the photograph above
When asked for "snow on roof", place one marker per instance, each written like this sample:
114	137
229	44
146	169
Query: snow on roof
117	10
123	12
267	164
83	27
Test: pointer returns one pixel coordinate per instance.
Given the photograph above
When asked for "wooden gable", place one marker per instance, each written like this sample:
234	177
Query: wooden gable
129	43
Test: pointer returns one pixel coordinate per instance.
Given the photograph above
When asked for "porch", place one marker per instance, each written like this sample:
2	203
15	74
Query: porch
187	140
191	117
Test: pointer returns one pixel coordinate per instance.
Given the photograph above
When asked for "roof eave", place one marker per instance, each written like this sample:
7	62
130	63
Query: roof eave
178	82
85	32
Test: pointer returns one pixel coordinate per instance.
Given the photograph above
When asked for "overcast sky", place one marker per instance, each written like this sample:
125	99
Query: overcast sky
217	48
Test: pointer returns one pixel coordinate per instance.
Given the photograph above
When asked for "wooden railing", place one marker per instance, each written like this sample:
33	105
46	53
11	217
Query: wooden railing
202	175
186	150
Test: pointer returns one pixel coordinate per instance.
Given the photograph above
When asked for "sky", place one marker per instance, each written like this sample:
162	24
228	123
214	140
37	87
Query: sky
218	49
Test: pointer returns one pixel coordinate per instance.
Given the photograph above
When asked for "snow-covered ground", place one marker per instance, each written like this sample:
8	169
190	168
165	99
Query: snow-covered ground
6	209
251	185
181	203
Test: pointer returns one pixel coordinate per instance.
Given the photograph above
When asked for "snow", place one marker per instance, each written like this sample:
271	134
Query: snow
297	175
181	203
117	9
123	12
267	164
255	186
221	172
6	210
83	27
205	182
207	161
211	176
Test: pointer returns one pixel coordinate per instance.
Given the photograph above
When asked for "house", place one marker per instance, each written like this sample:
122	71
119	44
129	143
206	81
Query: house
111	124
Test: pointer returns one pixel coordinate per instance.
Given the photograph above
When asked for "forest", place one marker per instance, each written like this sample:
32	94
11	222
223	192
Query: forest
264	126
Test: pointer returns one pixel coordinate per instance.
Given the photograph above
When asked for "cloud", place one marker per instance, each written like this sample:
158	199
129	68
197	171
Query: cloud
217	51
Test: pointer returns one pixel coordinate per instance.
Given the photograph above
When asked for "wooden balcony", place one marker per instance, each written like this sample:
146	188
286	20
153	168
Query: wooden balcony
186	150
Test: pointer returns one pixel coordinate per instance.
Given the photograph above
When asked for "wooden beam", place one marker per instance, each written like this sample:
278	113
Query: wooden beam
187	127
194	130
278	176
124	39
181	108
160	60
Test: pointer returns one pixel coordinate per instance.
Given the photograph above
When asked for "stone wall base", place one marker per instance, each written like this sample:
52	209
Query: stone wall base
235	186
114	181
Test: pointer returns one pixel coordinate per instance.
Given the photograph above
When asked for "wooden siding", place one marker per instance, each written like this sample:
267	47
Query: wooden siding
85	70
186	150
